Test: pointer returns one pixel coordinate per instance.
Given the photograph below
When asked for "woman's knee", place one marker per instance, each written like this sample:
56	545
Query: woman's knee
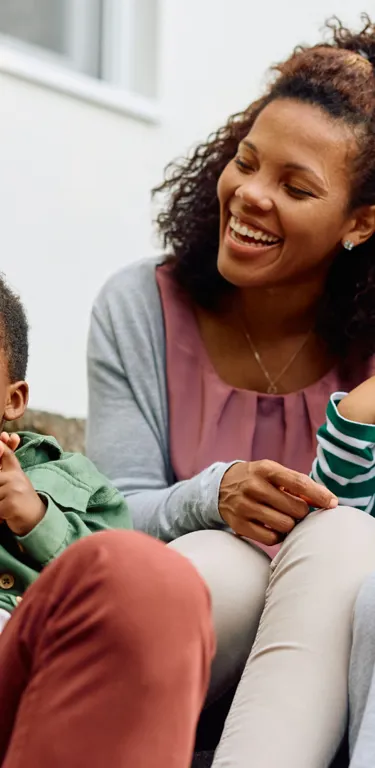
341	525
237	575
344	537
235	571
347	519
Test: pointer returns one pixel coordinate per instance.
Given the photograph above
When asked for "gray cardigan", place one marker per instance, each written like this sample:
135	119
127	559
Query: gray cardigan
128	429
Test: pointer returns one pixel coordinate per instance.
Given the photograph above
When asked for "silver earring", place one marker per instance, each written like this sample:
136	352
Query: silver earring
348	245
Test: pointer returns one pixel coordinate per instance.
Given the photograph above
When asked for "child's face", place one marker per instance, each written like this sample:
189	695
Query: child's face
14	396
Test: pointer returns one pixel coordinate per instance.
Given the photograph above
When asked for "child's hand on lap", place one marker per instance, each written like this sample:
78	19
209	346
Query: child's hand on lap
20	506
359	405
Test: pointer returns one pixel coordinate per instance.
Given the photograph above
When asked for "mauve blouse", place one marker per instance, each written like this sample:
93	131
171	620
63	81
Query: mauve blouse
212	421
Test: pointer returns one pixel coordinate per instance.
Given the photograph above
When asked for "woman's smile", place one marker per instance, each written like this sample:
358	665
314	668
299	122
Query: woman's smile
249	241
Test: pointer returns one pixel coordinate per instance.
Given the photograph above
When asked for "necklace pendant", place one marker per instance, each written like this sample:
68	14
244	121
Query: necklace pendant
272	389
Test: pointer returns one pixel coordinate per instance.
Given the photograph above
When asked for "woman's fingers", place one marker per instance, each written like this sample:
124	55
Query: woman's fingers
262	500
278	499
262	523
297	484
255	532
271	518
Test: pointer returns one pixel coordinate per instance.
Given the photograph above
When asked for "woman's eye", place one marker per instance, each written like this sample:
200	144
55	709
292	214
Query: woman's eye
297	192
242	165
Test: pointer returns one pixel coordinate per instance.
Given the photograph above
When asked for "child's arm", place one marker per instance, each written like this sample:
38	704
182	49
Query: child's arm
68	502
345	460
359	405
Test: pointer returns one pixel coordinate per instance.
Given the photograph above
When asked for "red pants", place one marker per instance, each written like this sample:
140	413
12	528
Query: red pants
106	661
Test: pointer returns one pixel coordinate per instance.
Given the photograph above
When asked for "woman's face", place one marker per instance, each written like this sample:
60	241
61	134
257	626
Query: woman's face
284	197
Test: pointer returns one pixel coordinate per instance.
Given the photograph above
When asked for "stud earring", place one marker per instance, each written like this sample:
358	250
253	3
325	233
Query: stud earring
348	245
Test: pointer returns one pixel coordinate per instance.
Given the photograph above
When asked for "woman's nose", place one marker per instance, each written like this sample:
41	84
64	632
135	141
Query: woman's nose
253	195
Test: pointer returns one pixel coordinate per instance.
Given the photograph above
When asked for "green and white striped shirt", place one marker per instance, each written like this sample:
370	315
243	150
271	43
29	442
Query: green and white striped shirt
345	460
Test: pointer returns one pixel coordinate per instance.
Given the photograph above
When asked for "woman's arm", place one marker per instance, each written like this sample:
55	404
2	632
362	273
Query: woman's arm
345	458
127	435
128	432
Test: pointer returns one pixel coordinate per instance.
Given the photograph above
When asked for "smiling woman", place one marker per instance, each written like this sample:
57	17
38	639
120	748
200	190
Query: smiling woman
291	188
209	375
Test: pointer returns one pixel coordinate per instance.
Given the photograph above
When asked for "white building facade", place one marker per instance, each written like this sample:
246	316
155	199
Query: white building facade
96	97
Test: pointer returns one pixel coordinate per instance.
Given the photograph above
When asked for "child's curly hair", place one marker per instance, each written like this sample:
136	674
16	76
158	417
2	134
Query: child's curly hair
14	332
339	77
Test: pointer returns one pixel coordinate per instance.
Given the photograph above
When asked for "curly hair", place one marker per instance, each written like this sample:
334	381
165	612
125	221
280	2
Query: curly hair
14	332
339	77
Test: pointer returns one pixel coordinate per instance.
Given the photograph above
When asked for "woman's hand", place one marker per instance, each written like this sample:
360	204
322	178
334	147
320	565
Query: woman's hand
263	500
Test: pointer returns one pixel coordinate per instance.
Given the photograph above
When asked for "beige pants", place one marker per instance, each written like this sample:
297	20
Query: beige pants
290	709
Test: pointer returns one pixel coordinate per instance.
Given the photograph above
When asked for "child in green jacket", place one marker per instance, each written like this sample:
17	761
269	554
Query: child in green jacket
48	498
105	645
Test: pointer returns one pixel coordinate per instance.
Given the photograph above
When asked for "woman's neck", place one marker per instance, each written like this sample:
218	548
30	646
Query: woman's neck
277	312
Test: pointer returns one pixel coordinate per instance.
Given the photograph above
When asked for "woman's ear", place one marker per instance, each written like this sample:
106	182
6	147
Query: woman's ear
362	225
17	400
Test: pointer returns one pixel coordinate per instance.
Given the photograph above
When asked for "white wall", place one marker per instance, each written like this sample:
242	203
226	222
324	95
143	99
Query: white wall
75	178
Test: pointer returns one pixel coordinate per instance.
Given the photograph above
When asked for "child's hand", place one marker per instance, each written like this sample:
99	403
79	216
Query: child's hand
11	440
359	405
20	506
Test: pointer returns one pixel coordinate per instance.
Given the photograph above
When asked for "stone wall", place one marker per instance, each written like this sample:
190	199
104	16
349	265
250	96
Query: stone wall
70	433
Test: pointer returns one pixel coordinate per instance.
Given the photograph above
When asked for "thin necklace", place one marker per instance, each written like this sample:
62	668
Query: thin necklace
272	388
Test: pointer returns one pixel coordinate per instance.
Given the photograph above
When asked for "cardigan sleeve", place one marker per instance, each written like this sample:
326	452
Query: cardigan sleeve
128	433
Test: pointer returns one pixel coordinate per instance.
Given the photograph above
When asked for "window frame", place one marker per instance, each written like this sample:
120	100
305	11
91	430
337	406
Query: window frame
64	73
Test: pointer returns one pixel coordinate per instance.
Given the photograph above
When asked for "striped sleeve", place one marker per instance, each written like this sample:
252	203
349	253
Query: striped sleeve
345	458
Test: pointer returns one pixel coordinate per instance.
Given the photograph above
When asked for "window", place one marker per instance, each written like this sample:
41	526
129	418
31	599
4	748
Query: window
114	41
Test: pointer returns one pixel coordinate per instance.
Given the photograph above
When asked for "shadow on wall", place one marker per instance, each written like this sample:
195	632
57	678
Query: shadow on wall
70	433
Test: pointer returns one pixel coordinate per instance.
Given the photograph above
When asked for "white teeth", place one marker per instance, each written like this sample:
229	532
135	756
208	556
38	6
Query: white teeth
243	230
